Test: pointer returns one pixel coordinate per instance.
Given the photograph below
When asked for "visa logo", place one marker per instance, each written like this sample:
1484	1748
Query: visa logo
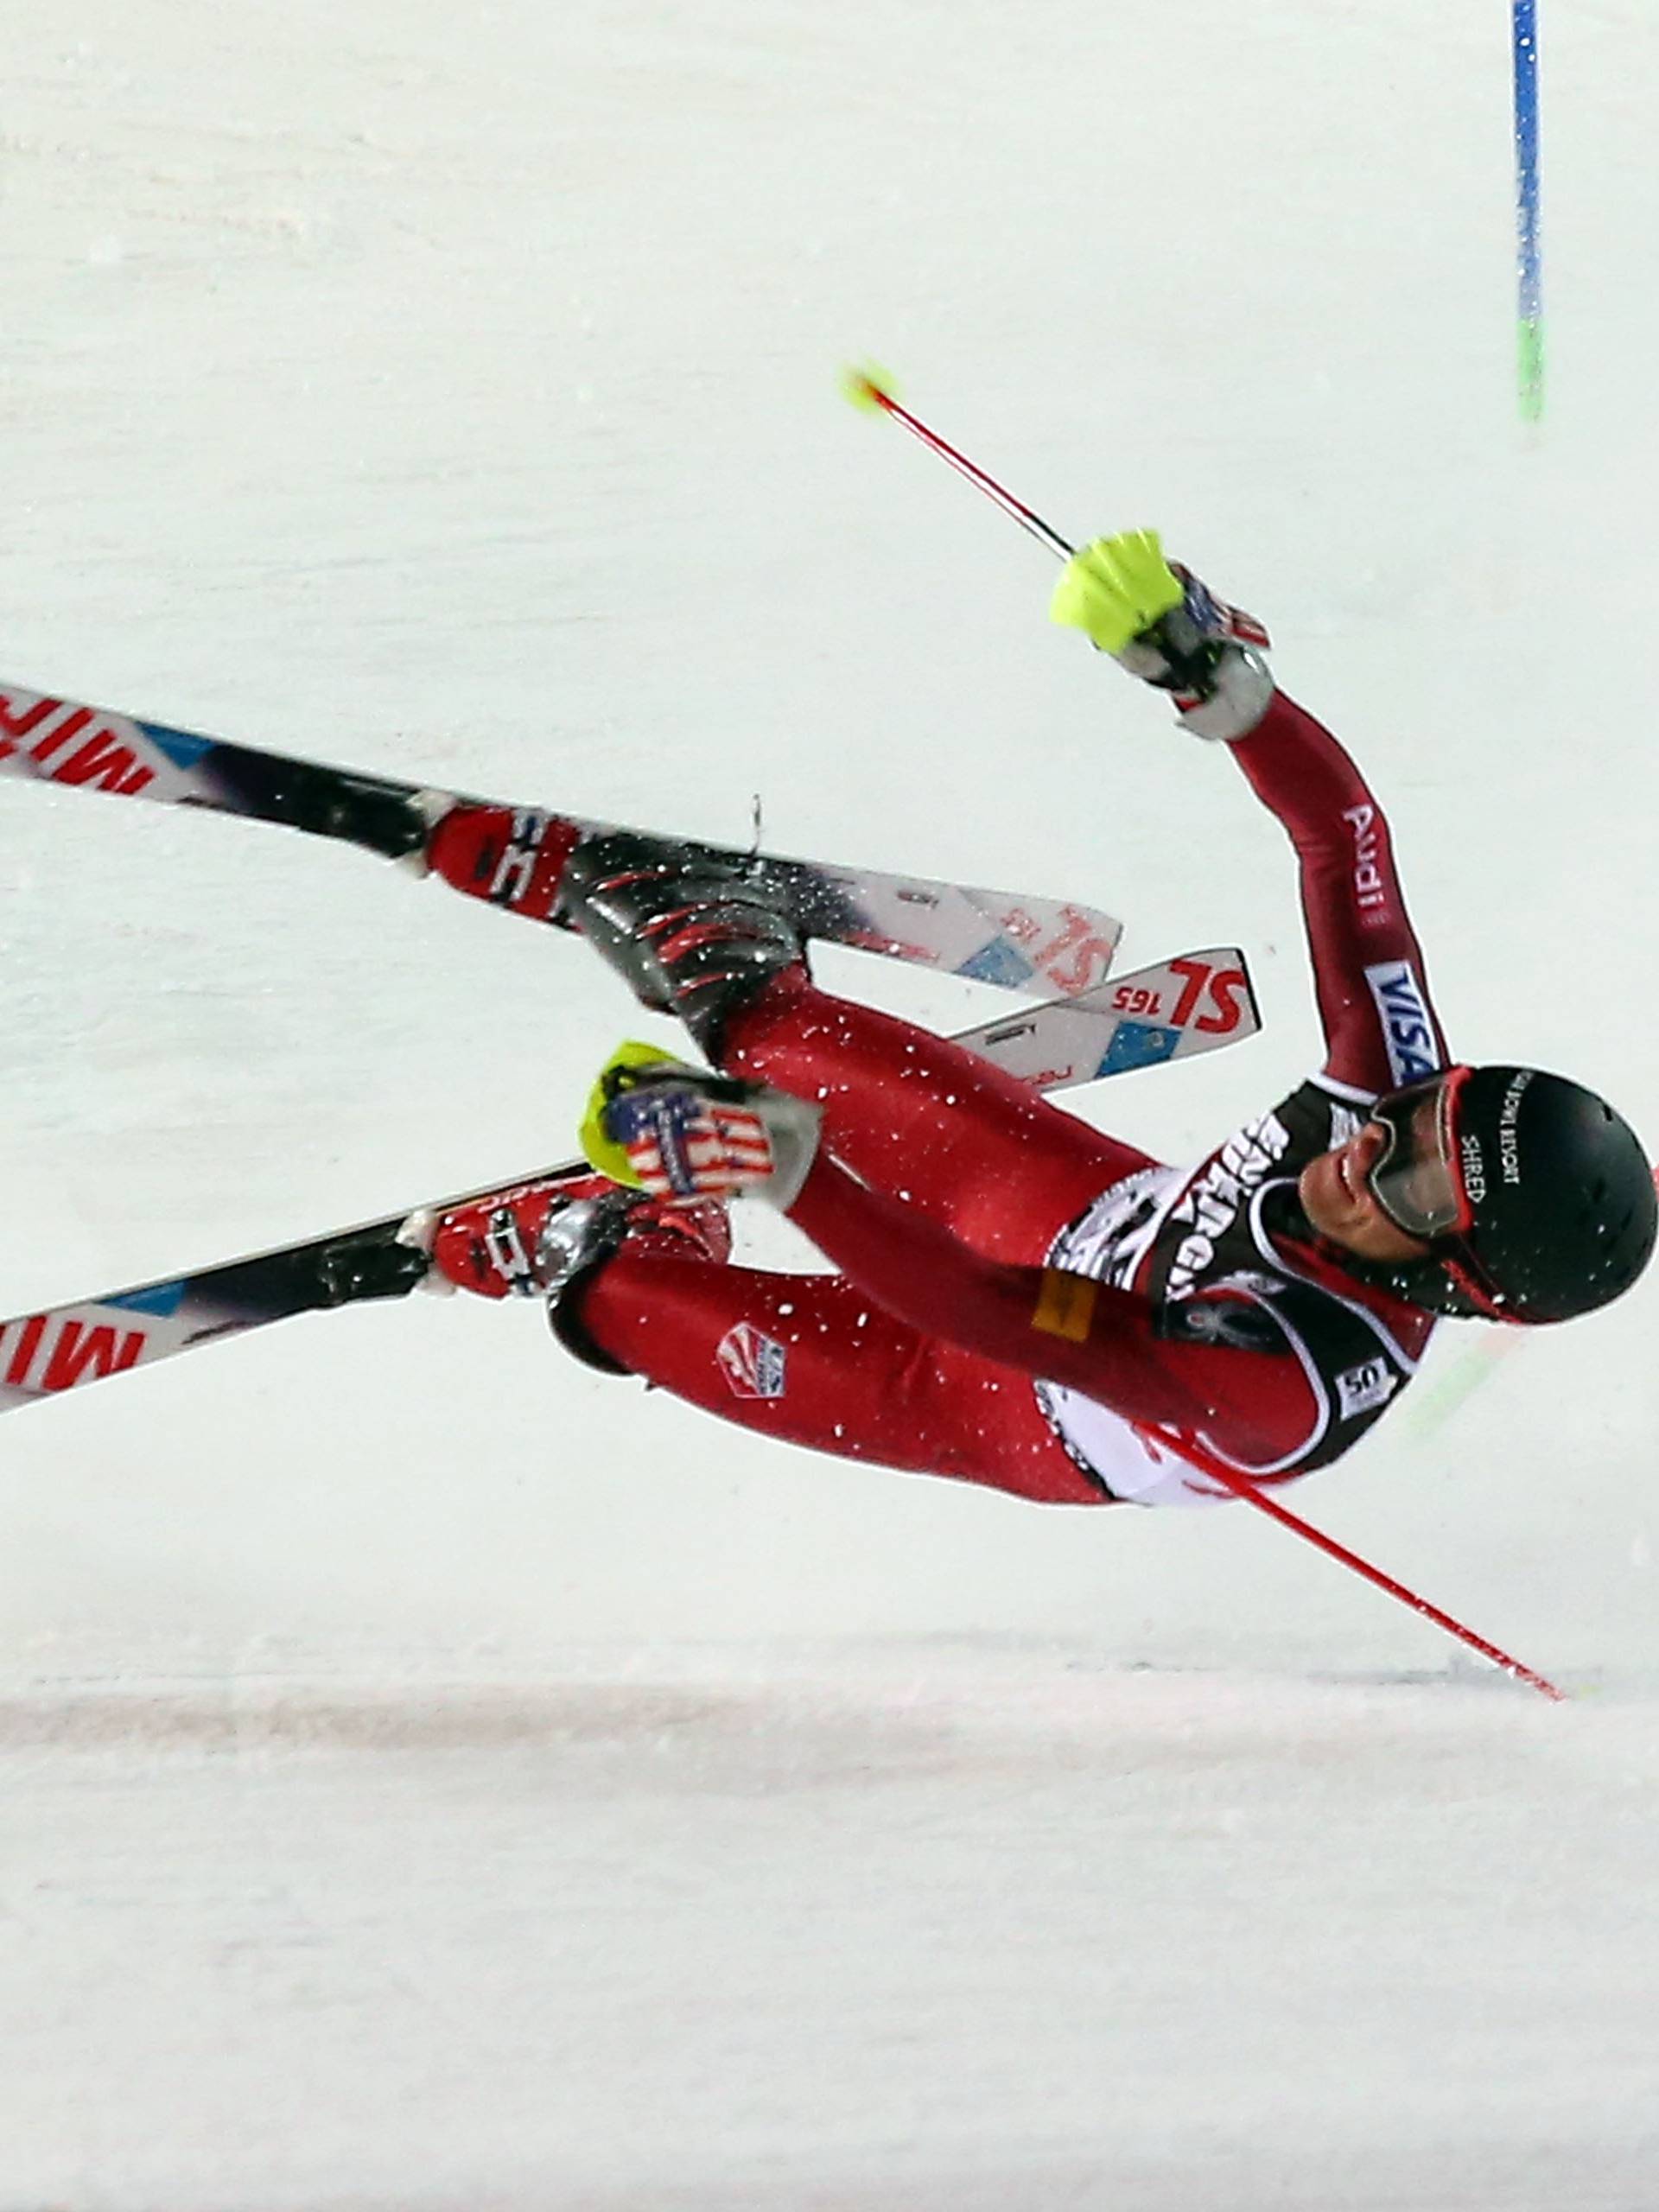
1402	1009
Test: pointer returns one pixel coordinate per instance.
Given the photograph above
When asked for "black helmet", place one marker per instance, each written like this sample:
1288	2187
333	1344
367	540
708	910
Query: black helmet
1535	1194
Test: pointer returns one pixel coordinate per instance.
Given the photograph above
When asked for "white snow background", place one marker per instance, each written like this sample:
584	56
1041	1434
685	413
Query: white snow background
437	1777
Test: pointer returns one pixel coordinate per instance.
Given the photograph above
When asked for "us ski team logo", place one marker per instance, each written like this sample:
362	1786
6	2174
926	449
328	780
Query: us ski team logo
755	1364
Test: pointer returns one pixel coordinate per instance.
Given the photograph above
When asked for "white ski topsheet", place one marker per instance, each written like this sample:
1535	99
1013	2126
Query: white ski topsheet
1192	1003
1048	947
44	1354
433	1776
64	742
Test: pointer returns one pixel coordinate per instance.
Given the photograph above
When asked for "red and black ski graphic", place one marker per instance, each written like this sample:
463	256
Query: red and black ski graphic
62	1348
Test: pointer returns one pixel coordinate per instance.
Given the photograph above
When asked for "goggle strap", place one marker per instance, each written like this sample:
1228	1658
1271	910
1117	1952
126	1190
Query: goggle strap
1476	1292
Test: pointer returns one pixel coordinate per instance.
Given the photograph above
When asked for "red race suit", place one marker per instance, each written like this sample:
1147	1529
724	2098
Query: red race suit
1023	1302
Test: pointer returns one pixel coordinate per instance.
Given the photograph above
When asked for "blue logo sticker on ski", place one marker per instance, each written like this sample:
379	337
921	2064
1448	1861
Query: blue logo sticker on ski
181	747
998	964
155	1298
1138	1044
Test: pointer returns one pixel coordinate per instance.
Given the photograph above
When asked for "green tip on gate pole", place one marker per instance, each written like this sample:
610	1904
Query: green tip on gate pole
1529	371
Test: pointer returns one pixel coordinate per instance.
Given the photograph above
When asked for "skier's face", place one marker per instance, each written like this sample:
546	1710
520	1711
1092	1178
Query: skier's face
1339	1202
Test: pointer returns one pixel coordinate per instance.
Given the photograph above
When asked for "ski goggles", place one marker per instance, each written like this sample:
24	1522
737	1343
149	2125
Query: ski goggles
1418	1181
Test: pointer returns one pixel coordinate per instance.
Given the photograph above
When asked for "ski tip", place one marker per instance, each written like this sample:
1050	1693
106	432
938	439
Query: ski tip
867	387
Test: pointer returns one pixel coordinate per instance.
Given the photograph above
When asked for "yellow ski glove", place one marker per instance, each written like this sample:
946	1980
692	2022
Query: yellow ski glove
681	1133
601	1150
1115	589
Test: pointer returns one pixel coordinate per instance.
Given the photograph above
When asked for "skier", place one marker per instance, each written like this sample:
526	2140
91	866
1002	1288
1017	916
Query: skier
1021	1300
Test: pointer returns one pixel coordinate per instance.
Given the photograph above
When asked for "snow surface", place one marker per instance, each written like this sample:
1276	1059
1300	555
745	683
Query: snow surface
437	1777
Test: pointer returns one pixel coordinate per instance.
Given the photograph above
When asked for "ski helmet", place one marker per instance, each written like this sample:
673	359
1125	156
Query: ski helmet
1533	1195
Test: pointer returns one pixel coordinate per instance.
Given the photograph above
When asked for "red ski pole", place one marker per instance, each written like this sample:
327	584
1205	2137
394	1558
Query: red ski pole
1274	1511
868	388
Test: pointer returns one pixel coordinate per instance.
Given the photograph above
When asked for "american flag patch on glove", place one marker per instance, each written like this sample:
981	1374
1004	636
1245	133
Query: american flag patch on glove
682	1145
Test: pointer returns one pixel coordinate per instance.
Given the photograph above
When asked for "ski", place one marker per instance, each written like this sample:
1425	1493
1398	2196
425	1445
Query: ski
1168	1012
514	857
63	1348
1191	1004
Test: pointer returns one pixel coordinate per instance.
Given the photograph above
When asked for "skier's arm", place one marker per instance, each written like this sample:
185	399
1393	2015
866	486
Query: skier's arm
675	1132
1162	624
1380	1024
1042	1321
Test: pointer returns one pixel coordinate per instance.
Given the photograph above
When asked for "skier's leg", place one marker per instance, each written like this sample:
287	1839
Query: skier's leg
639	1286
810	1360
1041	1321
549	1238
978	1149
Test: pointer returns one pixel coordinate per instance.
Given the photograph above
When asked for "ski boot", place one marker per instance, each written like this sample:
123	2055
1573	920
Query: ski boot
678	1133
689	933
548	1238
514	857
1158	621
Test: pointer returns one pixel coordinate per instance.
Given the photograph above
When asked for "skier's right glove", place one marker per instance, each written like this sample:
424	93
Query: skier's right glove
678	1132
1159	621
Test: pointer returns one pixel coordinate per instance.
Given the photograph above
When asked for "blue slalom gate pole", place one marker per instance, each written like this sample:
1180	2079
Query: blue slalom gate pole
1529	328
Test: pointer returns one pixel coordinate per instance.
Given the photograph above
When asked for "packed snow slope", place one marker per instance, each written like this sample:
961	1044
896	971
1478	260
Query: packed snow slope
461	1780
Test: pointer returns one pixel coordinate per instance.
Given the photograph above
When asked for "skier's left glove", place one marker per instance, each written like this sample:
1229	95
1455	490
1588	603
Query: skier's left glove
678	1132
1160	622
